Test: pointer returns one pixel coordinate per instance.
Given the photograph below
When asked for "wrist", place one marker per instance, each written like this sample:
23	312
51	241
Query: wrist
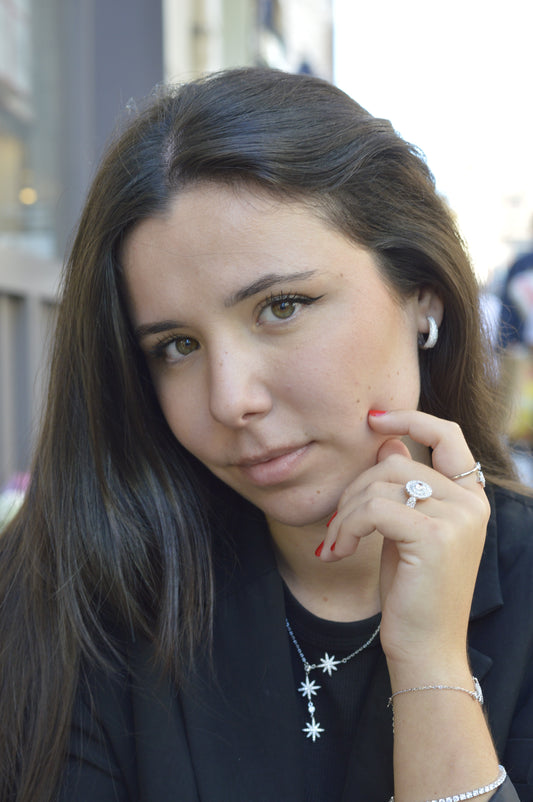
476	693
426	670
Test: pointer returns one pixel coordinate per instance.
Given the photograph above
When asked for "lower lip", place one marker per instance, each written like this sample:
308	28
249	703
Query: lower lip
274	471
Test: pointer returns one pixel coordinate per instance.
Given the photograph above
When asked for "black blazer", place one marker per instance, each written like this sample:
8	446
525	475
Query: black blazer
232	733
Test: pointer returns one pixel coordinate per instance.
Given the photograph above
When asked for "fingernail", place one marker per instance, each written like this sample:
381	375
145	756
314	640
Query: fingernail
332	547
376	412
332	517
318	552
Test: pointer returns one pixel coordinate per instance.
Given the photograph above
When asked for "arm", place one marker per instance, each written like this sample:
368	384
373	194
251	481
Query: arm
429	564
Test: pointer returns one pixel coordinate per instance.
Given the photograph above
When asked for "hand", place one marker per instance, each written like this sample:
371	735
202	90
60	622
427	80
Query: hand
431	553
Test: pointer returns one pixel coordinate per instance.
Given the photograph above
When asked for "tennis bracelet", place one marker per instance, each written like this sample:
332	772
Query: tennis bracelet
485	789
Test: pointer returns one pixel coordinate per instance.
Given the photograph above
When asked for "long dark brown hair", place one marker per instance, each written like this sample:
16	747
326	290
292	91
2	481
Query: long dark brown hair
115	530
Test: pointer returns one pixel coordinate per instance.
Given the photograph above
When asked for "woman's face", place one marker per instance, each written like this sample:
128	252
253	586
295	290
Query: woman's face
269	336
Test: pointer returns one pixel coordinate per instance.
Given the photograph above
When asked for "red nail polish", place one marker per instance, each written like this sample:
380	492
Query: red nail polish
318	552
332	547
332	517
376	412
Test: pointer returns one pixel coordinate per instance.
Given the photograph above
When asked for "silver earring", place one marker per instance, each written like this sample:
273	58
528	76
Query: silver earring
432	337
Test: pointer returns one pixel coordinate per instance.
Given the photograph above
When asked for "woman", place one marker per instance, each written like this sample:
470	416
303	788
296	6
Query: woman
256	513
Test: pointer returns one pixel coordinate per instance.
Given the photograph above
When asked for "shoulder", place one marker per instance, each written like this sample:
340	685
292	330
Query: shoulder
511	520
506	569
511	527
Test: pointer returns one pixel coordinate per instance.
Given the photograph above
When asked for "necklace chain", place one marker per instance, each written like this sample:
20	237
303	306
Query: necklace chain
309	688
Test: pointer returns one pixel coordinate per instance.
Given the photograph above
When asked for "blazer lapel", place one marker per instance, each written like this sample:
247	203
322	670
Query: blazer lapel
164	770
241	716
487	594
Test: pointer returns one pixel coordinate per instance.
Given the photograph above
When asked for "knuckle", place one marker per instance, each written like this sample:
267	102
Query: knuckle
453	428
375	489
373	506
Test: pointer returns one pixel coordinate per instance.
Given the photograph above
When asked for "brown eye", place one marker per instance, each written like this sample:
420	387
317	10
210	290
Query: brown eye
283	309
183	345
175	349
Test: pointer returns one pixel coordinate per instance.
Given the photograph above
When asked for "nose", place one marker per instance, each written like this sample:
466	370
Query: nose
238	391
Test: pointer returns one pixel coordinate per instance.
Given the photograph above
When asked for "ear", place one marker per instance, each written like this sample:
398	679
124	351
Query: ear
429	304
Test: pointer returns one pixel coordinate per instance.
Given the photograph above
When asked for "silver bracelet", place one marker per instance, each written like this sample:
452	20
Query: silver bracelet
476	694
485	789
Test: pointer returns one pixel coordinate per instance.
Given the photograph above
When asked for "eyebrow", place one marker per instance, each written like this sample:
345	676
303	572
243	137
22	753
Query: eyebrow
264	283
145	329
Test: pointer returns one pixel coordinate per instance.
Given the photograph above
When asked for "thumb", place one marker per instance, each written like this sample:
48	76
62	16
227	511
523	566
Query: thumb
390	447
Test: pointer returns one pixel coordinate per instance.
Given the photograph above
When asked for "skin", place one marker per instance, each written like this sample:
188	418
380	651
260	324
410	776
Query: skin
271	338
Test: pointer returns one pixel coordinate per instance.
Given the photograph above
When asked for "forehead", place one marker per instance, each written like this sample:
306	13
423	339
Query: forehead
215	239
209	220
209	214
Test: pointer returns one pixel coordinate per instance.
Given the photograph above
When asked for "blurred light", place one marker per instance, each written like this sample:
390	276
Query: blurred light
28	196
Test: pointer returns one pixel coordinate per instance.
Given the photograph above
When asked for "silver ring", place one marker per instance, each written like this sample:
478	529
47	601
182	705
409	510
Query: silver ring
477	470
417	491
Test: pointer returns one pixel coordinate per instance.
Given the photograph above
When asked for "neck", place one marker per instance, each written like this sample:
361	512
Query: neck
347	590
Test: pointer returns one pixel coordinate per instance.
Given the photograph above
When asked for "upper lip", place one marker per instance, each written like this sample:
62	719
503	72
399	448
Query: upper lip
266	456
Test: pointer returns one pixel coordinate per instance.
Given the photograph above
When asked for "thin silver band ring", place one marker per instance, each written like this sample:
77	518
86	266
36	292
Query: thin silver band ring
476	469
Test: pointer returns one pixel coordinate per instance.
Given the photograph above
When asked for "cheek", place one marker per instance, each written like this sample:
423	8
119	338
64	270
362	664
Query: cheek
182	412
395	377
358	370
326	381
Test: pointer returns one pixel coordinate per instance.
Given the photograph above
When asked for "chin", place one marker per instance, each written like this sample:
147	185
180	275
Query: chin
300	516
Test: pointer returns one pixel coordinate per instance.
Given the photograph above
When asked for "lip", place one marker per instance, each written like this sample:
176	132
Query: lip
274	466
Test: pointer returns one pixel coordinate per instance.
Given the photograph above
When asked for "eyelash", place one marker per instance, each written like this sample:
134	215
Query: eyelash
287	297
157	351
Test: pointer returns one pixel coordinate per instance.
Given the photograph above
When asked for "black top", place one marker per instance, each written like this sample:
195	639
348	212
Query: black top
340	697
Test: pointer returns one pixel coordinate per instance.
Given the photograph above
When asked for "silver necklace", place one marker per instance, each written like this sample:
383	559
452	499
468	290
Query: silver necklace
309	688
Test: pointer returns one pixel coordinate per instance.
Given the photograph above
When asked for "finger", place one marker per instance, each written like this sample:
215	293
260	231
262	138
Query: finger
365	509
386	479
392	446
384	515
362	515
450	452
467	477
429	525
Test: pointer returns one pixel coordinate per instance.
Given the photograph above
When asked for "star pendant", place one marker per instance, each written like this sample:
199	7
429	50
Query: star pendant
308	688
328	663
313	729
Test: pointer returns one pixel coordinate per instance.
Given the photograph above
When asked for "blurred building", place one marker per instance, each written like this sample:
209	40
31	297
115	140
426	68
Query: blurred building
68	69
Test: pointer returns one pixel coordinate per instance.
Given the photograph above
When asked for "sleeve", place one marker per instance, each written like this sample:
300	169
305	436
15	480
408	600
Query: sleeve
518	756
100	762
516	646
506	793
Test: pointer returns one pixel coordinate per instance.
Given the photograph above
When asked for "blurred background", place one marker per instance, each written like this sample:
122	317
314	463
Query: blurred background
454	78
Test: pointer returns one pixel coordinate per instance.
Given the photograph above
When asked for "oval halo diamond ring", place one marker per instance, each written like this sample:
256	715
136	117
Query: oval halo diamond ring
417	491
